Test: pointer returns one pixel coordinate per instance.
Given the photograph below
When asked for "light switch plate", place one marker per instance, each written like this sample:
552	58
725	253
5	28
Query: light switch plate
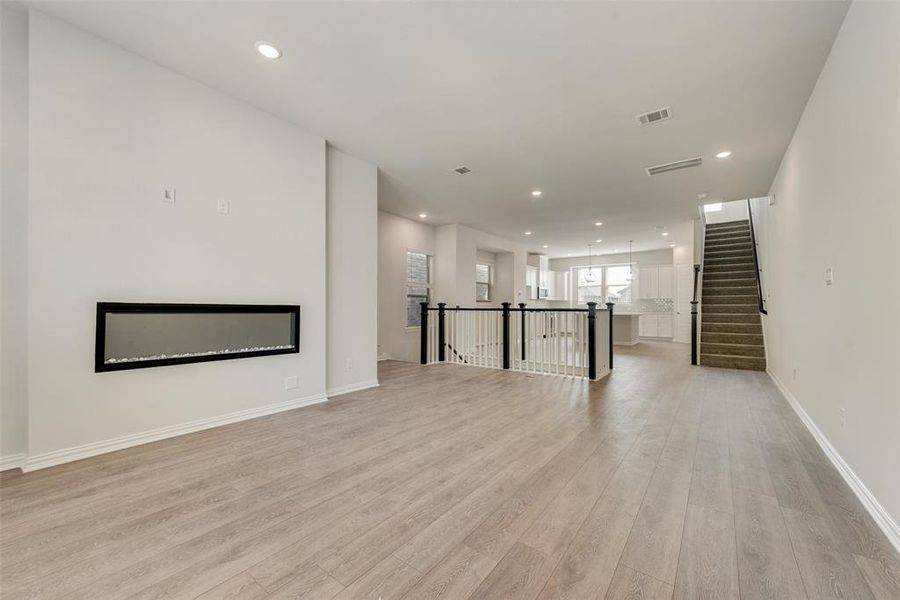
829	276
223	207
290	383
169	195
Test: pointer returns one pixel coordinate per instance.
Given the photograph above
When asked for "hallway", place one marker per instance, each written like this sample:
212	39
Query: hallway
459	482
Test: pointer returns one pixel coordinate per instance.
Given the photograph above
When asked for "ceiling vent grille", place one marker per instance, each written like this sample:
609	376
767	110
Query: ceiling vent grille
462	170
655	116
674	166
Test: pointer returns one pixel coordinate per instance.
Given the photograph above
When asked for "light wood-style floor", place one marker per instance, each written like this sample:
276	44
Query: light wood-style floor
664	480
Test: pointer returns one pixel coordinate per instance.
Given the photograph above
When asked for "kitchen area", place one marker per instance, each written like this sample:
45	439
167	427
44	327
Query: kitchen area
644	287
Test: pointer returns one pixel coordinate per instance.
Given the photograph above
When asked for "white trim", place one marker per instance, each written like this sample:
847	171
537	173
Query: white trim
885	521
58	457
12	461
353	387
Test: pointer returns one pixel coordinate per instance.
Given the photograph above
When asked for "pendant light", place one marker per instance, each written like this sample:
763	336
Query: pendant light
589	278
630	262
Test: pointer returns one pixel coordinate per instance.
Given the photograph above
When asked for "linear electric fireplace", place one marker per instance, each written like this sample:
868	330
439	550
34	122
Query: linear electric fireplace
141	335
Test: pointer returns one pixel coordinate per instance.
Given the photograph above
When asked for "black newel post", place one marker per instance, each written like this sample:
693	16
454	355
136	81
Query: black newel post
441	354
592	340
610	305
506	306
522	308
694	304
423	334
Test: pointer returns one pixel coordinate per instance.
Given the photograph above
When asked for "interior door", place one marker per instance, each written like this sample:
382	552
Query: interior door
684	292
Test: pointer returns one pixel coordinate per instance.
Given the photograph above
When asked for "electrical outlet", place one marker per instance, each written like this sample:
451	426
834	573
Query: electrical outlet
223	207
349	366
843	413
169	195
829	276
290	383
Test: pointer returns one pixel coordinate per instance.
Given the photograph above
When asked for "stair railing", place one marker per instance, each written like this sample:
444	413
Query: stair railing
759	288
694	302
565	341
698	291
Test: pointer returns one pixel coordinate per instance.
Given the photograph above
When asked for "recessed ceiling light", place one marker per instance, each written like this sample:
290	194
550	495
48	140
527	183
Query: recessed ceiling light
665	233
268	50
702	196
536	193
724	154
598	223
546	246
569	254
598	241
671	245
422	215
712	207
527	233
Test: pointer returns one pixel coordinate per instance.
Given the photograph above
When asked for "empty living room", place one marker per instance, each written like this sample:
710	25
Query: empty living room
388	300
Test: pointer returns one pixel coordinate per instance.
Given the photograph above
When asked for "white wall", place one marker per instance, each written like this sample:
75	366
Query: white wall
13	238
457	248
735	210
108	130
352	233
396	235
644	257
838	205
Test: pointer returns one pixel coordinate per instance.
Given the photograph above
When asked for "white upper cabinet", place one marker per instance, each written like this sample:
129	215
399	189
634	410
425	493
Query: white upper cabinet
656	282
666	287
648	282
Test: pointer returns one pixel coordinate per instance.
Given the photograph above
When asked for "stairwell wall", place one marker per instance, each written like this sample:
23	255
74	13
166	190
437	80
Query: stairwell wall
836	347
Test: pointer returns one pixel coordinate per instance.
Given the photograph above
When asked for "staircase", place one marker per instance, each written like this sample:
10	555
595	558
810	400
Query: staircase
730	330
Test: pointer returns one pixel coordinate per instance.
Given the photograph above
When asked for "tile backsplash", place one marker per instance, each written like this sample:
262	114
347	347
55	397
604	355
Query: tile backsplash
655	305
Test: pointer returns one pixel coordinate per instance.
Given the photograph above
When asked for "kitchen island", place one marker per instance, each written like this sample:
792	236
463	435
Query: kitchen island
625	328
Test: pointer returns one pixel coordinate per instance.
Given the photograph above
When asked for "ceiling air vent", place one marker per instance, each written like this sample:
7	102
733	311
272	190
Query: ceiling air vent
674	166
655	116
462	170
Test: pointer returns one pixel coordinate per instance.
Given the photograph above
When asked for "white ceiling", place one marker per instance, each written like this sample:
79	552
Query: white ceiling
528	95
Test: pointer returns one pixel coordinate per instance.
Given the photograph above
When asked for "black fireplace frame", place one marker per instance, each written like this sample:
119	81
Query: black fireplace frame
104	308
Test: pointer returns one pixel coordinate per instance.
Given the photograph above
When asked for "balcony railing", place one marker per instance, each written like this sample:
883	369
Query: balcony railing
574	342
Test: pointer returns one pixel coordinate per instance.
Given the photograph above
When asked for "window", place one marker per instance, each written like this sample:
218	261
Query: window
418	286
605	283
589	283
484	278
618	284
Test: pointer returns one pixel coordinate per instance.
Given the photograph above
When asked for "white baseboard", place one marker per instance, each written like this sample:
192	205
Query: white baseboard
12	461
353	387
58	457
885	521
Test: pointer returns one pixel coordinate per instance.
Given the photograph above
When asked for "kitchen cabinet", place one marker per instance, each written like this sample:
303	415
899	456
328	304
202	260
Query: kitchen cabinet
655	325
648	282
666	288
531	282
656	282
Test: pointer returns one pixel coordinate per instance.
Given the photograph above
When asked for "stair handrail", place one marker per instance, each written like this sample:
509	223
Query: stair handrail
698	291
759	292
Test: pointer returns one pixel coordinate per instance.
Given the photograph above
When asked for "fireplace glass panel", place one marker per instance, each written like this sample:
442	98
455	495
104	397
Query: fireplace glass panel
136	337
